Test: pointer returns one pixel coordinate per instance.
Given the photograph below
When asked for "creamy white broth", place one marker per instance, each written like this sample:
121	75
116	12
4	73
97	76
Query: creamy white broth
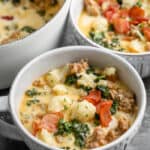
62	95
93	20
20	19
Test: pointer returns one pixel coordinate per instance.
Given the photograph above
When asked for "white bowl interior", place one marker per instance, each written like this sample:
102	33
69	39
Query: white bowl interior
76	9
59	57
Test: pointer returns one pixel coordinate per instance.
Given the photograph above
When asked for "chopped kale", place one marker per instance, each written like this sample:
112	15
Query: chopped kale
71	79
97	36
90	70
120	2
101	77
139	3
85	88
33	101
96	121
111	27
28	29
100	38
78	129
32	92
104	90
41	12
114	107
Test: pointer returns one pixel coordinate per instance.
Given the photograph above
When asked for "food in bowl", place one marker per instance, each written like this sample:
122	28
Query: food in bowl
120	25
78	106
20	18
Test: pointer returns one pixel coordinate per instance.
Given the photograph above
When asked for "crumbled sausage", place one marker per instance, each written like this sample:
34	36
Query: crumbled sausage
125	99
112	135
92	7
123	124
14	36
38	83
44	4
97	138
78	67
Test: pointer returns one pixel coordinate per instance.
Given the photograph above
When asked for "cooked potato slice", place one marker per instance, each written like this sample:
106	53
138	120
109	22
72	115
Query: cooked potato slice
83	111
59	103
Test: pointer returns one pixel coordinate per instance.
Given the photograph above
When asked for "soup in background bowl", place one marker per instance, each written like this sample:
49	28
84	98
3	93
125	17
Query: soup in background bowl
20	18
118	25
81	23
78	106
45	19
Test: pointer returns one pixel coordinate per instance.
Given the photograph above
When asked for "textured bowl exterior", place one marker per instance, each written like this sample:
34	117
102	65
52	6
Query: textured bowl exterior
16	54
140	62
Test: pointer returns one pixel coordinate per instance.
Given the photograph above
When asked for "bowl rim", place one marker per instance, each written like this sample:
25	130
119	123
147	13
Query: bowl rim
126	135
92	43
38	30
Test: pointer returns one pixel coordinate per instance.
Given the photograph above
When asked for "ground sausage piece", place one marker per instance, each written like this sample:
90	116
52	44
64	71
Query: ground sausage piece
92	7
123	125
38	83
78	67
112	135
97	138
14	36
125	99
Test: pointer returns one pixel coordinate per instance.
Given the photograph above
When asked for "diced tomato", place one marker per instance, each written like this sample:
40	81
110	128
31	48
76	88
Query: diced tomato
98	108
136	12
48	122
121	25
93	97
9	18
111	12
124	13
35	126
139	20
146	31
105	114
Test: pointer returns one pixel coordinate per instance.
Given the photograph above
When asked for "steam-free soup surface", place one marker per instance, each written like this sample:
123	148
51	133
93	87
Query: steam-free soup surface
120	25
78	106
19	18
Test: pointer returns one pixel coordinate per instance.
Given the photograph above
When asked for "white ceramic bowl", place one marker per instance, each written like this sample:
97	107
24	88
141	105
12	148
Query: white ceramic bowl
59	57
16	54
141	61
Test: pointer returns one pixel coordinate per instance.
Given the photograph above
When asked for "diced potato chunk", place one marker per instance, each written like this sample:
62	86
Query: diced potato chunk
59	103
137	46
100	24
69	139
47	137
57	75
110	71
83	111
87	80
60	89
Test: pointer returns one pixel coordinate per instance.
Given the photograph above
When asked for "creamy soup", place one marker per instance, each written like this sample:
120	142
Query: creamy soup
19	18
120	25
78	106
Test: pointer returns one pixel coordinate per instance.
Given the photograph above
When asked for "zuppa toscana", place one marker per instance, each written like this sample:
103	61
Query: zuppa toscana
120	25
78	106
19	18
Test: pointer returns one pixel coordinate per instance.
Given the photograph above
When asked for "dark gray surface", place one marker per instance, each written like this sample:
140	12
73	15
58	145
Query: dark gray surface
140	142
